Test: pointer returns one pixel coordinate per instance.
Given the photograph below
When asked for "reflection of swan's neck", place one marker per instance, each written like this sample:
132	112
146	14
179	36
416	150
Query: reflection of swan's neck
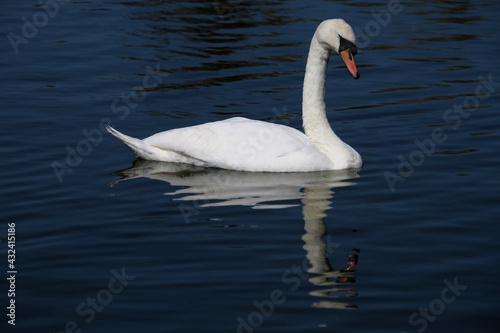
316	202
316	124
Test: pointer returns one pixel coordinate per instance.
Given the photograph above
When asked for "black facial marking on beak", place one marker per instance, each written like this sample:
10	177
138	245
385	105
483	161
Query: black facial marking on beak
347	44
347	50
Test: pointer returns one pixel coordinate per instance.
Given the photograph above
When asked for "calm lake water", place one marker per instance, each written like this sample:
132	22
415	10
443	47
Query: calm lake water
108	244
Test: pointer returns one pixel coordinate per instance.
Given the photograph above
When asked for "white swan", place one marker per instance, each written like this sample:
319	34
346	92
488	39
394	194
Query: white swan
251	145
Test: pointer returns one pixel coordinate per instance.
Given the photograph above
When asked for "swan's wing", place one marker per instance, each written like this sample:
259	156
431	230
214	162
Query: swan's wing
243	144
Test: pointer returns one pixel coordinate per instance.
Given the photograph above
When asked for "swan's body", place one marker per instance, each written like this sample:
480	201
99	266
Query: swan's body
251	145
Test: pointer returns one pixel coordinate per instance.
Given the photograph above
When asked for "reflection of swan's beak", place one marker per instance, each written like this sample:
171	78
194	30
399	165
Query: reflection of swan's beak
348	58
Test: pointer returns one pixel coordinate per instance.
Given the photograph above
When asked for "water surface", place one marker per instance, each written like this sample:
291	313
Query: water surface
106	243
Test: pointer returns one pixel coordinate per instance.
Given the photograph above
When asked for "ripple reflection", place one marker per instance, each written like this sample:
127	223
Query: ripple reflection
261	190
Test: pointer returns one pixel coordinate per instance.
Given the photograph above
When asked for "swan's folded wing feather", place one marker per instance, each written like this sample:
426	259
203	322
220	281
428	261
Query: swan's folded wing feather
243	144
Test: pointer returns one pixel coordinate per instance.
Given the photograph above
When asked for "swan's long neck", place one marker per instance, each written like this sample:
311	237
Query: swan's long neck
316	125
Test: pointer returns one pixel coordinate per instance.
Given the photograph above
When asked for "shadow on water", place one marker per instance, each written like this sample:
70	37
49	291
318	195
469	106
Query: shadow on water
209	187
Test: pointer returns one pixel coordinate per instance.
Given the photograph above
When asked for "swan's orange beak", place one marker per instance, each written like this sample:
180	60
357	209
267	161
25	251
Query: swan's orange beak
348	58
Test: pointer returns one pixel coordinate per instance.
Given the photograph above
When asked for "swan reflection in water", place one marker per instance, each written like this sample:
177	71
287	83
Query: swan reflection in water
208	187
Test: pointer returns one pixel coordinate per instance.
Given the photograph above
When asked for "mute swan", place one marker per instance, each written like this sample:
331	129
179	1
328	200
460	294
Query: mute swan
252	145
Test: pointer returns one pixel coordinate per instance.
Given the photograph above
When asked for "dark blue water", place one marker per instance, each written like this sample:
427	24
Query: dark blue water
105	244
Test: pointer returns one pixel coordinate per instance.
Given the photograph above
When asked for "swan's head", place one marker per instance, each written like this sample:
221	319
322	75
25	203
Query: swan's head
337	35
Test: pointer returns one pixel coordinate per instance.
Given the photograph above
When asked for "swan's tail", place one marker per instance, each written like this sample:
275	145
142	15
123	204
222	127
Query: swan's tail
140	148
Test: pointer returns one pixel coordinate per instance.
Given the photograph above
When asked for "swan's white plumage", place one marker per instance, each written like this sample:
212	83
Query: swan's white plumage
252	145
236	144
